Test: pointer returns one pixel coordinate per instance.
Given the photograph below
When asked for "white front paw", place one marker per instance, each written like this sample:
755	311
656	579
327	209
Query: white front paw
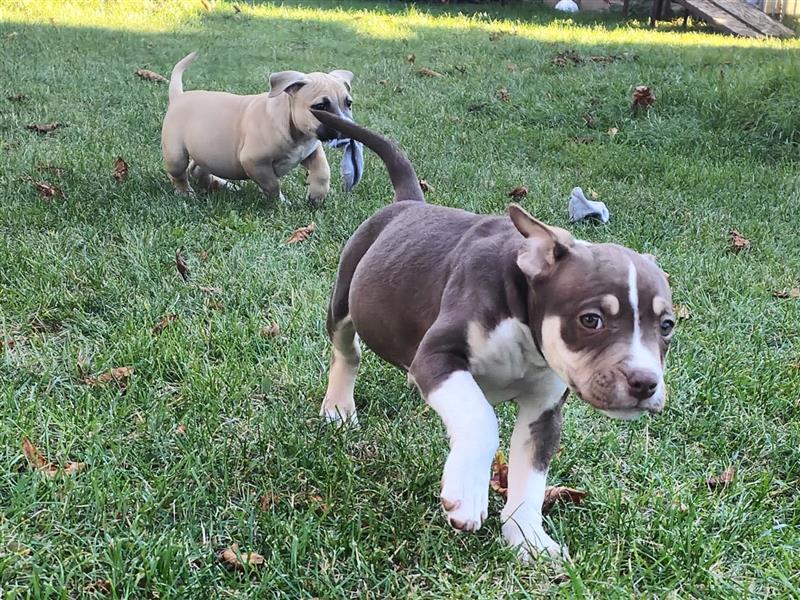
524	533
465	492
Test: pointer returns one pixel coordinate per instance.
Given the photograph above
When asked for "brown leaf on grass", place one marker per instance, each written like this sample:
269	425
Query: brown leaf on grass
722	480
384	82
210	290
425	186
503	95
17	98
426	72
47	190
270	330
605	59
560	495
180	429
682	312
267	501
32	454
149	75
48	469
411	58
215	305
499	480
791	293
301	234
7	343
43	128
397	89
511	67
120	169
643	98
613	131
180	264
102	586
163	323
319	502
518	192
239	560
737	241
118	375
203	256
568	57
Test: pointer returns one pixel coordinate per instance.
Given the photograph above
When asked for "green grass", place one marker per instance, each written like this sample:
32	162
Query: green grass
84	278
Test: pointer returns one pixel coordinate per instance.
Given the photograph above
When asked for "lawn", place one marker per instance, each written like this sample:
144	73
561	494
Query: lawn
215	439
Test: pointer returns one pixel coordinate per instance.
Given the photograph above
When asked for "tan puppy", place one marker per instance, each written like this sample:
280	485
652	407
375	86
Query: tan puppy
217	136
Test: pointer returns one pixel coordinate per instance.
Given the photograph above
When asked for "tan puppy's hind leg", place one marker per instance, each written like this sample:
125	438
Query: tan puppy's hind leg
319	175
209	181
176	160
266	179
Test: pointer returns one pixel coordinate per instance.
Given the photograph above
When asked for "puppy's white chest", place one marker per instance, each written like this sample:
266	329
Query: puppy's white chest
294	157
504	361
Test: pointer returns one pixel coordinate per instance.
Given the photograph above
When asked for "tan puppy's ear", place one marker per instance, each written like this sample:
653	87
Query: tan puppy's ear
346	76
286	81
544	245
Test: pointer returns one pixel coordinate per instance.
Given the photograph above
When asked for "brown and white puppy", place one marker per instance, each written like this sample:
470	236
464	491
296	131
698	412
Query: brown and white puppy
483	309
260	137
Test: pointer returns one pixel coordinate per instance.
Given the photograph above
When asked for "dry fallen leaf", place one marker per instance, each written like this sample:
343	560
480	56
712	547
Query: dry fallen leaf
163	323
301	234
18	98
149	75
682	312
792	293
39	463
180	429
643	97
236	560
738	241
8	343
559	494
102	586
203	256
722	480
120	169
518	192
270	330
613	131
425	186
411	58
568	57
43	127
384	82
503	95
180	264
319	502
267	501
499	480
511	67
32	454
426	72
397	89
118	375
47	191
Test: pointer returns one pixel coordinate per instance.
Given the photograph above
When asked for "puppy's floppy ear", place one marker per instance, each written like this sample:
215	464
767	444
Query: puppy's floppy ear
286	81
346	76
544	245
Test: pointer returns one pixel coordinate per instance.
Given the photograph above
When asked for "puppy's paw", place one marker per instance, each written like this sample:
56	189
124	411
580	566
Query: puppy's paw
530	539
465	493
339	414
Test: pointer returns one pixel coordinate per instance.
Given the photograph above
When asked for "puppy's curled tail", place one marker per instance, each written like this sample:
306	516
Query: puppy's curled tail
401	171
176	79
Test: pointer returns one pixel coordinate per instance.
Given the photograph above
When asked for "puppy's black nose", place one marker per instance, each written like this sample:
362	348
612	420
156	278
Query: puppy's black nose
642	383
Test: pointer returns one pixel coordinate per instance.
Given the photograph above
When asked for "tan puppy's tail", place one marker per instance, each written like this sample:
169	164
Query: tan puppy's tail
401	171
176	79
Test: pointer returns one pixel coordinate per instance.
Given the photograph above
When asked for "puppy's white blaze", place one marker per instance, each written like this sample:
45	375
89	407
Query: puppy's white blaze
640	356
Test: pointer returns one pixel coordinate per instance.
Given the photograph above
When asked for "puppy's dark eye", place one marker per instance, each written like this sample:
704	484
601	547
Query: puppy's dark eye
667	326
323	104
348	103
591	321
